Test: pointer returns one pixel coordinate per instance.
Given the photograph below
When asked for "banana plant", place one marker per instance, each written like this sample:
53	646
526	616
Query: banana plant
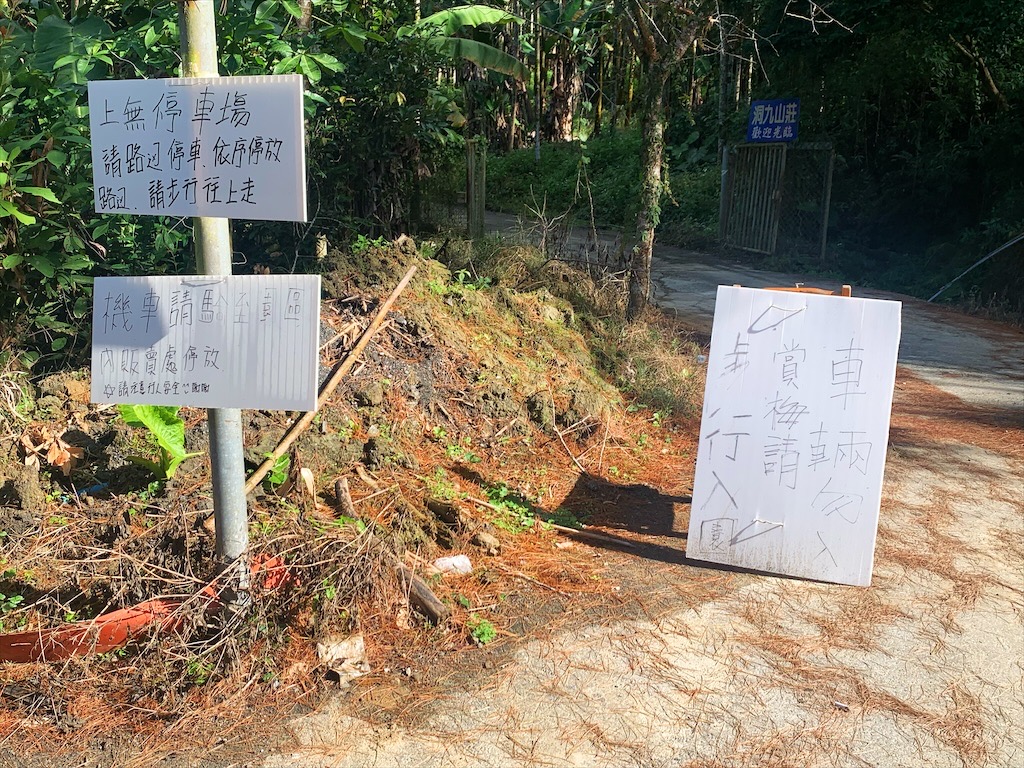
441	31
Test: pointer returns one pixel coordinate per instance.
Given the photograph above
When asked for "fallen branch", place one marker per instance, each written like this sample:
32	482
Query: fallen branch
341	493
521	575
339	373
561	439
421	596
583	533
586	534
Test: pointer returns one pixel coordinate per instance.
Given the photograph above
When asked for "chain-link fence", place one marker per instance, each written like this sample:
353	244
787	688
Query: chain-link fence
777	197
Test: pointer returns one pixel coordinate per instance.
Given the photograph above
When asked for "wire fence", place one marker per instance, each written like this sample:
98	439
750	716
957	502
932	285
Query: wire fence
777	197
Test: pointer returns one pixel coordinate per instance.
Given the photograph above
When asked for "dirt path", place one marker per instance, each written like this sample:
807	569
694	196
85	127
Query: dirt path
924	669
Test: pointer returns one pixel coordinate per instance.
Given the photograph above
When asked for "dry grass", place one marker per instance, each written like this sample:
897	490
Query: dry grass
798	665
12	392
660	364
927	414
935	549
123	551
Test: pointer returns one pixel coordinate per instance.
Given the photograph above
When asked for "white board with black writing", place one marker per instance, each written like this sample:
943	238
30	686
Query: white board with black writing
246	341
227	147
794	433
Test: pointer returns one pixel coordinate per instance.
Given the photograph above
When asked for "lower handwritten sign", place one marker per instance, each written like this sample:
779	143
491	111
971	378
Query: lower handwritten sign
207	341
794	433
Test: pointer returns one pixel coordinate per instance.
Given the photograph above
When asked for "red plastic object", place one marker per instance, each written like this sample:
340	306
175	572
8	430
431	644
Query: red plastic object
104	633
113	630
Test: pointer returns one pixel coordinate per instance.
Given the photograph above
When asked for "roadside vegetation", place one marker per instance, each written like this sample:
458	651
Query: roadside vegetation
516	394
928	148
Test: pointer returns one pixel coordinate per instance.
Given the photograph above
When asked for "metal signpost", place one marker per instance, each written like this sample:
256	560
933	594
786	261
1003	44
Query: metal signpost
212	148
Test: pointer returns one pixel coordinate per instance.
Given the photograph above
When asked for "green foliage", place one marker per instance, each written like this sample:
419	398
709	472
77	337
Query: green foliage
922	104
438	484
50	237
278	473
199	670
378	119
611	163
481	630
462	452
513	513
440	31
564	518
361	244
167	429
9	603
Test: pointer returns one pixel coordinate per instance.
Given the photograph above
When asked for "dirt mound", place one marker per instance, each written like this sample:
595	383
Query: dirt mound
475	414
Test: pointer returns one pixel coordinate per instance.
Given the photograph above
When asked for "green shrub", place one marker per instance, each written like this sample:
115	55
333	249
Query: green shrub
610	164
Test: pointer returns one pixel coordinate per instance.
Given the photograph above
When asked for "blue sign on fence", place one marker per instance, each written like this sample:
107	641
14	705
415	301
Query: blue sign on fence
774	120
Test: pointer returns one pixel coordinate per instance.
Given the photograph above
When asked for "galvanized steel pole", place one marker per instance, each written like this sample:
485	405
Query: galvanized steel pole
197	21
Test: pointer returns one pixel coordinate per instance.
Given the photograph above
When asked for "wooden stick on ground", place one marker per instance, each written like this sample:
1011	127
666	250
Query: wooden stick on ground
583	533
341	493
421	596
339	373
524	577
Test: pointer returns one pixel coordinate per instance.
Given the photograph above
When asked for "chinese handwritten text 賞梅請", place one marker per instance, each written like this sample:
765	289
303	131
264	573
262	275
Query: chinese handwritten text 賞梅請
793	436
234	341
226	147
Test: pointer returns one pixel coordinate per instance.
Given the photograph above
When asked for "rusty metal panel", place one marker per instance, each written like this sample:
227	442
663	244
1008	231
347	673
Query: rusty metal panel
776	196
754	193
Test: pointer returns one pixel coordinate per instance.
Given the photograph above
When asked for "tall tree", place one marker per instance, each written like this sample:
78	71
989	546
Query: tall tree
661	33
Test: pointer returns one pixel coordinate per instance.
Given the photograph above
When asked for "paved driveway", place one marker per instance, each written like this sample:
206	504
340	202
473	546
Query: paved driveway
921	670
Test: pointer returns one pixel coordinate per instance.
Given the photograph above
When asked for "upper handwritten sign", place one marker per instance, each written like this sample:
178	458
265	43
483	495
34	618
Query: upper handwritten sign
774	120
209	341
227	147
794	433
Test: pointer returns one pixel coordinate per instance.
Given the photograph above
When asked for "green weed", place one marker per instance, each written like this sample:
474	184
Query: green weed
362	244
439	486
564	518
513	513
481	630
278	474
165	428
199	671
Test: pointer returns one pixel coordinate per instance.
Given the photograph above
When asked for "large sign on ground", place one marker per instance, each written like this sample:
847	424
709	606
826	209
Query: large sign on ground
208	341
227	147
794	433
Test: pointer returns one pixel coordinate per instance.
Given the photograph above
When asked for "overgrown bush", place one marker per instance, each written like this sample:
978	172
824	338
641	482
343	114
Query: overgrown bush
605	171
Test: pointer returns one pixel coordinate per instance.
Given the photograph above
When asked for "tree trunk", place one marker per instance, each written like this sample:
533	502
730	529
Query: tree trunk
514	119
563	100
652	152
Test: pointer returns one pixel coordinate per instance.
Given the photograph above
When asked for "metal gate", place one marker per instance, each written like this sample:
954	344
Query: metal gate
776	197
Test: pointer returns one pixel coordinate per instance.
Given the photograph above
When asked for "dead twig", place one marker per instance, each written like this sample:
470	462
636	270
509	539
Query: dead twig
420	595
524	577
583	533
561	439
366	477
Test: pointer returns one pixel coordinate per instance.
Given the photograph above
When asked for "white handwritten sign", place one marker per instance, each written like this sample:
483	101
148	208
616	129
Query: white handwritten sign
794	433
209	341
228	147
